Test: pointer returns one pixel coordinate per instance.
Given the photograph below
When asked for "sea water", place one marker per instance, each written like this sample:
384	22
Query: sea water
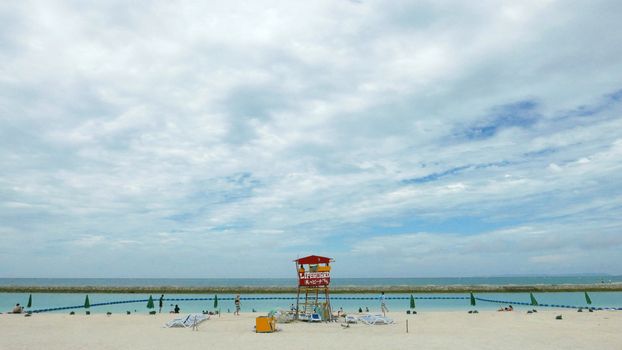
265	302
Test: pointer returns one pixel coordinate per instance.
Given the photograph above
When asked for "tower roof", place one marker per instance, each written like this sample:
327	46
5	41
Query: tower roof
314	259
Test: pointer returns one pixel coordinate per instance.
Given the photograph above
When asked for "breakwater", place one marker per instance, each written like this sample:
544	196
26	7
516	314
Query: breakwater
604	287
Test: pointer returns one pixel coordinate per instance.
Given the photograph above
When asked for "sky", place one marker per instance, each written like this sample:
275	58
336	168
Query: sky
226	139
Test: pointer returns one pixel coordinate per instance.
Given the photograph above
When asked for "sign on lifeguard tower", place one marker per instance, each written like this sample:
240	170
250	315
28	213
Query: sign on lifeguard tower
316	273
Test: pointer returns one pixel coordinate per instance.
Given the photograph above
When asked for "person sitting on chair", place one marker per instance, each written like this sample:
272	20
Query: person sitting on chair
18	309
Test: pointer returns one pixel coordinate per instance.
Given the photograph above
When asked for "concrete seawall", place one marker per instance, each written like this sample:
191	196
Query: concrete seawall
610	287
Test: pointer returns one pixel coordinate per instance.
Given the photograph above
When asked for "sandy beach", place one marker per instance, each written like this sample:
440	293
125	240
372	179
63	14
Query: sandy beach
428	330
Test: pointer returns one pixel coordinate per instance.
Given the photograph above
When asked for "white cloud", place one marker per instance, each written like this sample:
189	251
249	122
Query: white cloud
156	129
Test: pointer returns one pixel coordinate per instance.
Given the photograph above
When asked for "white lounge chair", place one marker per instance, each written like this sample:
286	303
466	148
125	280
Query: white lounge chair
350	319
188	321
377	319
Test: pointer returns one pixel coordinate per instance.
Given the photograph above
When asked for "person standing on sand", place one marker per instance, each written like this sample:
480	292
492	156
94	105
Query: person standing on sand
237	305
161	302
383	305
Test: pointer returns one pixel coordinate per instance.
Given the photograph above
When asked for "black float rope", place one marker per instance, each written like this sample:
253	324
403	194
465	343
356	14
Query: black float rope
333	298
546	305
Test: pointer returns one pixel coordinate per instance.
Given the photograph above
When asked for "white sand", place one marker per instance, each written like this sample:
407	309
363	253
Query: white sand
428	330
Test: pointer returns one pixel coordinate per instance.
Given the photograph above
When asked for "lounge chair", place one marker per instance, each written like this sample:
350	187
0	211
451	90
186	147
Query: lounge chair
315	318
371	319
351	319
188	321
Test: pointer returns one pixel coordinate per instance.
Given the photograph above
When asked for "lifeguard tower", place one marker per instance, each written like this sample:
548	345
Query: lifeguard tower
313	281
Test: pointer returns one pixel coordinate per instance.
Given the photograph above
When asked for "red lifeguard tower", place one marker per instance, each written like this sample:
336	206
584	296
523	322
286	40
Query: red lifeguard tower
313	280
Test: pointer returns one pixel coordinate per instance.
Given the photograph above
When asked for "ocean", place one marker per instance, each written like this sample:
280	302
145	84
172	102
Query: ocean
261	303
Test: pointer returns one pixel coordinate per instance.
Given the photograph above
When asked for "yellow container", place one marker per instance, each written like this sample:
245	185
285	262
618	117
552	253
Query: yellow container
323	268
265	324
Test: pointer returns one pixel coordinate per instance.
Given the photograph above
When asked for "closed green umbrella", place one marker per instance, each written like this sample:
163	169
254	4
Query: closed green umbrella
30	301
587	299
215	301
87	303
412	302
534	302
150	303
472	300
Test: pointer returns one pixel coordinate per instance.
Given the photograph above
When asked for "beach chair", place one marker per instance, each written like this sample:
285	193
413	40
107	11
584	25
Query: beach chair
371	319
281	316
188	321
350	319
315	318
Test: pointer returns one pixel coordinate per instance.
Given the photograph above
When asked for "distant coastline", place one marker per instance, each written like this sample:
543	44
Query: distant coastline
592	287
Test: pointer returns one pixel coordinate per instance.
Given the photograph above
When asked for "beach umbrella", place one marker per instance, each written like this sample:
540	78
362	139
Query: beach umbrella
587	299
215	301
150	303
30	301
412	302
534	302
87	303
472	300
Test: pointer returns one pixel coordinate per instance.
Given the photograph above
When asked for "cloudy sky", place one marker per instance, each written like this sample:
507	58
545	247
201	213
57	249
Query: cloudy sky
225	139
